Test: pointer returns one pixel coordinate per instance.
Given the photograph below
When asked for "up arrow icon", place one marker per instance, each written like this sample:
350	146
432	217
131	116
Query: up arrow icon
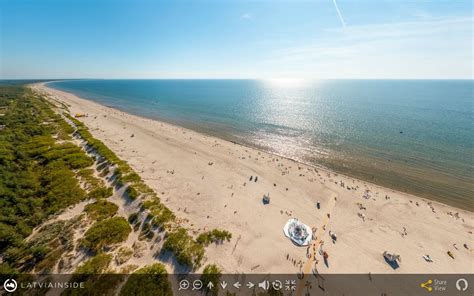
210	285
223	284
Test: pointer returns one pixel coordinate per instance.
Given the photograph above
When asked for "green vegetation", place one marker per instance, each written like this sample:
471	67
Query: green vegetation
152	278
216	236
87	176
187	251
37	177
95	274
131	192
159	214
123	255
45	248
134	220
105	233
123	173
211	273
101	210
131	178
146	232
96	265
41	173
100	192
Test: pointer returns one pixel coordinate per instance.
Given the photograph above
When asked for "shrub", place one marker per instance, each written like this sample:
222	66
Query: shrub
96	265
131	178
123	255
216	236
131	192
94	273
87	175
149	278
160	214
106	232
211	273
100	192
185	249
101	210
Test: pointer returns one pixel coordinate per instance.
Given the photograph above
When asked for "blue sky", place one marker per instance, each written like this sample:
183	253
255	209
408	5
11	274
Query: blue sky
236	39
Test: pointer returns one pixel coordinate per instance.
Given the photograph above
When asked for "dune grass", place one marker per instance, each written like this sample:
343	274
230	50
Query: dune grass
105	233
101	210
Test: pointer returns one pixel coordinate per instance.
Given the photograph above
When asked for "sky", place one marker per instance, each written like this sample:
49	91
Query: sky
323	39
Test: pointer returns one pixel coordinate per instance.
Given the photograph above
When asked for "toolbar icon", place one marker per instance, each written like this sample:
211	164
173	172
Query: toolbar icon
197	285
250	285
223	284
462	285
184	285
210	285
290	285
237	285
277	285
427	285
264	284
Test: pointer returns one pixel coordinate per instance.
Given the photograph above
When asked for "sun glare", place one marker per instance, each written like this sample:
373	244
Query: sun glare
287	82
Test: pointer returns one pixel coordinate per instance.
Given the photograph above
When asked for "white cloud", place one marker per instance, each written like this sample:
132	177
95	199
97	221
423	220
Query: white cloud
436	48
246	16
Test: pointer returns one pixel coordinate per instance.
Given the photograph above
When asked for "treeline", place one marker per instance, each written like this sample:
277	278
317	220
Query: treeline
37	174
43	172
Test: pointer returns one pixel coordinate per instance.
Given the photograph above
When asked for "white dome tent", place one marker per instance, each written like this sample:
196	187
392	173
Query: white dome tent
299	233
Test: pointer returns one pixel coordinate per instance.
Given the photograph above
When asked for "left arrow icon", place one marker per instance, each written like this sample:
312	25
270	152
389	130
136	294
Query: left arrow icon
237	285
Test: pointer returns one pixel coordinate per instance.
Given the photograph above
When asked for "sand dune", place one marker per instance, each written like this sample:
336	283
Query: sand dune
206	181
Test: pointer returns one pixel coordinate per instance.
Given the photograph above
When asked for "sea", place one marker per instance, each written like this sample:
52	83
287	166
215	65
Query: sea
414	136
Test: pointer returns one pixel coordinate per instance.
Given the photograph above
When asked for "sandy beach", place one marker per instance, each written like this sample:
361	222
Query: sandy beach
206	182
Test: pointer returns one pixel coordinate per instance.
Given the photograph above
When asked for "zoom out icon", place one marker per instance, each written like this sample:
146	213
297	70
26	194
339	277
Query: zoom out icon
10	285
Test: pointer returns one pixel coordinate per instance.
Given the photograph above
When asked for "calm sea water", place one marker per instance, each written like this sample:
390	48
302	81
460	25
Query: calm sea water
411	135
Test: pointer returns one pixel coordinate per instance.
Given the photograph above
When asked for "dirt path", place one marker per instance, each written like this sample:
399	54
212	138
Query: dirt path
316	244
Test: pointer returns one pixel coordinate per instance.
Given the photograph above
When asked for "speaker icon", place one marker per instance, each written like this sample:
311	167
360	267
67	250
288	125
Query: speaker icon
427	285
264	284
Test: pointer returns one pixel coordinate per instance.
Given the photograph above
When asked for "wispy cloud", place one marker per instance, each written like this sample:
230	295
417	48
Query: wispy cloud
432	48
339	14
246	16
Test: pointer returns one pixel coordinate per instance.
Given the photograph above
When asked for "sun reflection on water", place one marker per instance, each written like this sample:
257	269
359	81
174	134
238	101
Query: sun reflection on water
288	82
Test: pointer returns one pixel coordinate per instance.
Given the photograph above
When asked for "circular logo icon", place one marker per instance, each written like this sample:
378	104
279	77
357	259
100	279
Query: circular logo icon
462	284
10	285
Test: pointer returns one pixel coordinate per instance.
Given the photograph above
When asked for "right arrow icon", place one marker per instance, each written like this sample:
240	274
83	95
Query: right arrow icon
250	285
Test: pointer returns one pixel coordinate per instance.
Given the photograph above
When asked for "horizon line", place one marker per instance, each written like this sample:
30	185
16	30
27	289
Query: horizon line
231	78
